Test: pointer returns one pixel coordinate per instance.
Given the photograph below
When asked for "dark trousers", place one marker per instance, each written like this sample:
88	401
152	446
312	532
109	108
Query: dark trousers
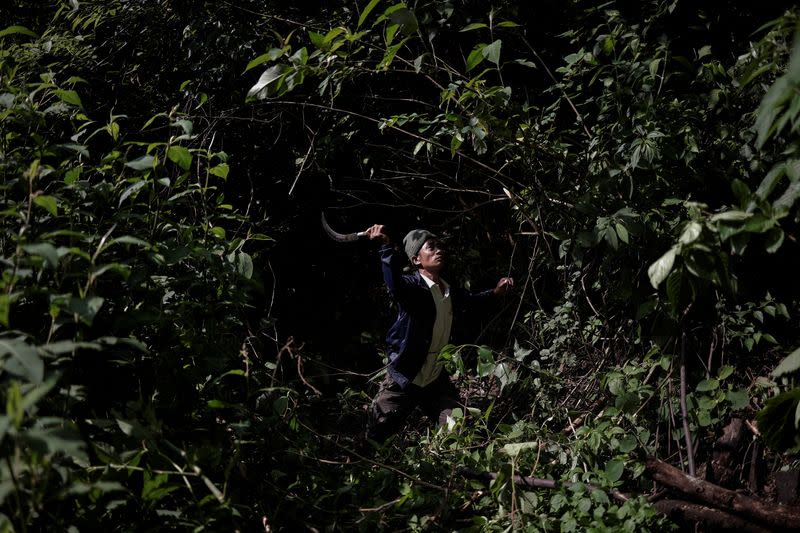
392	405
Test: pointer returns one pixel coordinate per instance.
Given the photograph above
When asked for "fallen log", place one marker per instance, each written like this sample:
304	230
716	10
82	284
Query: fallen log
680	511
760	511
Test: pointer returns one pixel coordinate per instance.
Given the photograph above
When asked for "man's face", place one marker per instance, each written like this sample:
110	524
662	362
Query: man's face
431	256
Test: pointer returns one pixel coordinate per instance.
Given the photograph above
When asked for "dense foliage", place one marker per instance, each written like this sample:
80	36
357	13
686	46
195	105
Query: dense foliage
181	347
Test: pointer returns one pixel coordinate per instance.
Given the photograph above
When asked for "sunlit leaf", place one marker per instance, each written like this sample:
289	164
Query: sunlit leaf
659	270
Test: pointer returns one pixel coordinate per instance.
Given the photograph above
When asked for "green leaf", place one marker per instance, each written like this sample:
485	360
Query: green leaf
244	265
486	363
776	420
507	24
506	374
70	97
265	84
17	30
220	170
725	372
263	58
492	52
130	190
141	163
691	232
85	308
628	444
44	250
785	202
72	175
769	182
759	224
708	385
515	448
659	270
476	57
47	202
366	12
24	360
406	19
730	216
473	26
774	240
614	469
181	156
789	365
622	232
738	399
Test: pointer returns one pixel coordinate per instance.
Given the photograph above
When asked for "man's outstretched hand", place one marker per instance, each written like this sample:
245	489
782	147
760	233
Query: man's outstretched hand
503	286
377	232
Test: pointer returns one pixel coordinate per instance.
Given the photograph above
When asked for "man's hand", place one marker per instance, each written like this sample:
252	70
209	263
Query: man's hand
503	286
377	233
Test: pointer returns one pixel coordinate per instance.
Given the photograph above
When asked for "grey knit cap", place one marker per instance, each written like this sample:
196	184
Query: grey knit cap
412	243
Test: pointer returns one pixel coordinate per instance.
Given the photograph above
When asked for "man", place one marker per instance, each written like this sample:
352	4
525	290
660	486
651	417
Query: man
426	305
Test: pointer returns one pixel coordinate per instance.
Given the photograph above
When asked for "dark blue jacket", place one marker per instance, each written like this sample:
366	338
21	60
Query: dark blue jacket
409	337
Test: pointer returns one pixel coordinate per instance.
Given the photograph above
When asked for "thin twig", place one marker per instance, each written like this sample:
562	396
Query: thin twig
687	435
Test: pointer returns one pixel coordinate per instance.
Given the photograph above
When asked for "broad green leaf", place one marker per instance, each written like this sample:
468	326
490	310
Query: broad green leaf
614	469
85	308
56	436
789	365
263	86
622	232
738	399
17	30
44	250
181	156
141	163
406	19
725	372
691	232
767	185
506	374
69	96
759	224
130	190
263	58
774	240
22	360
515	448
492	52
244	265
47	202
476	57
776	420
366	12
708	385
659	270
220	170
785	202
507	24
486	363
628	444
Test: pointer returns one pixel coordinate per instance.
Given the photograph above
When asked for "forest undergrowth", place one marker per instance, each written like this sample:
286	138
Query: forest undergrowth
181	346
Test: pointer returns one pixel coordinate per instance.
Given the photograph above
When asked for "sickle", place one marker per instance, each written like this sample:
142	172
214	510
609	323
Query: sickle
341	237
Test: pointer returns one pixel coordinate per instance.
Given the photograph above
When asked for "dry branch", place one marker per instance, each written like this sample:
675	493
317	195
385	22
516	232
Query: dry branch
682	512
761	511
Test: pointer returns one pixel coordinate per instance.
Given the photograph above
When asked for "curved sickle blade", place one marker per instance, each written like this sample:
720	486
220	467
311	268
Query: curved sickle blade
341	237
